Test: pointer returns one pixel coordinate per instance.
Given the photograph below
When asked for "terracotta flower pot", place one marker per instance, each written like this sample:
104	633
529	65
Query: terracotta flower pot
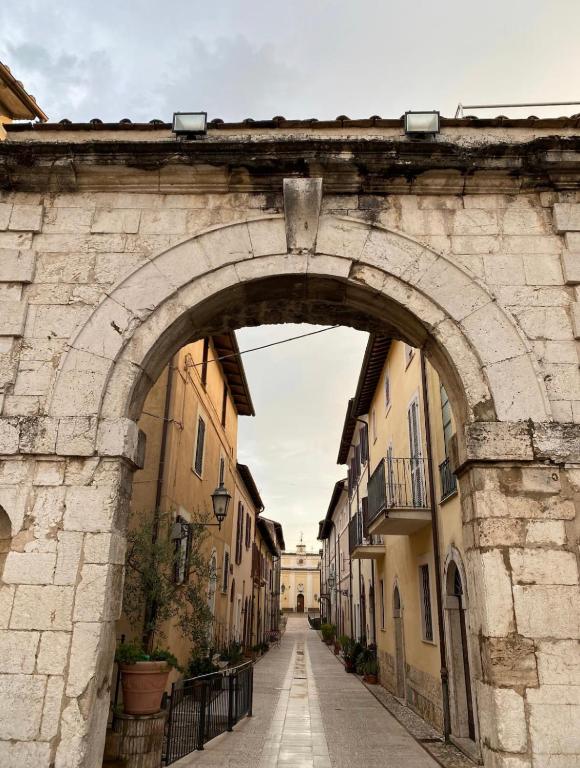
336	649
372	679
143	685
349	666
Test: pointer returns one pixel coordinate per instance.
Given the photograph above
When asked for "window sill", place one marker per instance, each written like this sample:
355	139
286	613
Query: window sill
429	642
196	473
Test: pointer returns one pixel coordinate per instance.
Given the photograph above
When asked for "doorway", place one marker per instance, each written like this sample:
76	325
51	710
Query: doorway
399	645
300	604
461	698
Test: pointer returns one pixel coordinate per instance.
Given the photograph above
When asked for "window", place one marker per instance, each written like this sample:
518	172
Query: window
409	354
374	424
182	550
224	404
382	586
248	530
226	571
415	452
446	418
387	390
425	596
222	471
199	446
364	443
239	534
204	361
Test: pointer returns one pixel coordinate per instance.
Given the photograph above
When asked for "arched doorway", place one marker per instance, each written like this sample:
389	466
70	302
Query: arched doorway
300	603
460	677
400	687
355	274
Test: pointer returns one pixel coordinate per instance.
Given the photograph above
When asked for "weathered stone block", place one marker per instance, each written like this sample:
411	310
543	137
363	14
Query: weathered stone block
77	436
38	434
157	222
16	266
89	509
123	438
546	611
497	441
26	218
36	607
104	548
502	718
9	436
559	662
498	618
556	442
566	217
116	220
49	473
509	662
29	568
12	317
18	651
53	653
69	557
302	202
6	602
25	754
21	701
5	211
98	595
52	707
571	267
543	566
545	532
84	655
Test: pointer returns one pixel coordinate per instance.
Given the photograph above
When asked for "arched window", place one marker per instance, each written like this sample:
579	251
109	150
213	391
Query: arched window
396	599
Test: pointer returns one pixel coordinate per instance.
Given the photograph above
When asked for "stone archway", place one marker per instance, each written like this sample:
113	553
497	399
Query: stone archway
302	266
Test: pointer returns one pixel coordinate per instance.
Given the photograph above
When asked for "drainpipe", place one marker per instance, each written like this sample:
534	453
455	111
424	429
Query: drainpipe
151	609
435	532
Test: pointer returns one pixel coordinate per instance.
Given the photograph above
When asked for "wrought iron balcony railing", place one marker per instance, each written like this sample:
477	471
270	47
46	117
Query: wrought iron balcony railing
358	535
448	479
397	484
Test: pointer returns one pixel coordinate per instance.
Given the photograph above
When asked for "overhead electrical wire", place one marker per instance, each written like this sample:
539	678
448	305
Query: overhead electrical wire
263	346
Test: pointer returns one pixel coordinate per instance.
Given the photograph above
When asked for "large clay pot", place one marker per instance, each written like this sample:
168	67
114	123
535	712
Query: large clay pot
372	679
143	685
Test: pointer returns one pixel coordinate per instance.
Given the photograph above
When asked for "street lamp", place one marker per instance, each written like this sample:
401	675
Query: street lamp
220	499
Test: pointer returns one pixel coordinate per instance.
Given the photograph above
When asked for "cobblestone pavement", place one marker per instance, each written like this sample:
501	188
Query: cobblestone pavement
308	713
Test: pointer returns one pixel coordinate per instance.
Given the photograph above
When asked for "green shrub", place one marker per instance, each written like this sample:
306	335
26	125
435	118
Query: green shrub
371	667
328	632
201	665
131	653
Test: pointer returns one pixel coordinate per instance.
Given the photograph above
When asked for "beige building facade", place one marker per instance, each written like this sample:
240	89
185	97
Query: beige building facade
300	581
121	244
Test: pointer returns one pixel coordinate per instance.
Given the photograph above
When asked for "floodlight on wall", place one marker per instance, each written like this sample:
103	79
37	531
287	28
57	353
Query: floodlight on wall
419	124
190	124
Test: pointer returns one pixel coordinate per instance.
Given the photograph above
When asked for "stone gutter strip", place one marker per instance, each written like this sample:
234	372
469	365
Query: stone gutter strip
447	755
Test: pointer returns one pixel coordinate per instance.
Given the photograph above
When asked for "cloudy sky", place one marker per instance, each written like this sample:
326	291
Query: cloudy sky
306	58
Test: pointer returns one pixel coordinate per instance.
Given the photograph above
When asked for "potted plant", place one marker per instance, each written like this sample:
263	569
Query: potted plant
153	595
348	646
143	677
362	657
336	647
328	632
371	671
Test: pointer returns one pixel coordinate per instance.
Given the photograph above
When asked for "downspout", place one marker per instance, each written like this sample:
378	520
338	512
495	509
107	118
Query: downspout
435	532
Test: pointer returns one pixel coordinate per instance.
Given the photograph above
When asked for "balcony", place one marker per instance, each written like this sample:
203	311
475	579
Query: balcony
448	480
398	497
363	547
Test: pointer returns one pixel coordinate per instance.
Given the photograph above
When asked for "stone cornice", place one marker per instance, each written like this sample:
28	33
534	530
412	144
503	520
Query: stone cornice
347	166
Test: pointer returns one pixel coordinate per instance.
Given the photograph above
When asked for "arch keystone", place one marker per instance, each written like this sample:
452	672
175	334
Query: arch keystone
302	201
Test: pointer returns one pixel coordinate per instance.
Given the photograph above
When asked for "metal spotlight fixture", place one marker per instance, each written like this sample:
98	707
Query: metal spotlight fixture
418	124
190	125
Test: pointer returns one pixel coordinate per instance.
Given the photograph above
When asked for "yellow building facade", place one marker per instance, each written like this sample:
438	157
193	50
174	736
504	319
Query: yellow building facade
190	422
300	587
408	596
15	101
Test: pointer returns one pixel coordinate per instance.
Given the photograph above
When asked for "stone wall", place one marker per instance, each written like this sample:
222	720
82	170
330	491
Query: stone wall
99	283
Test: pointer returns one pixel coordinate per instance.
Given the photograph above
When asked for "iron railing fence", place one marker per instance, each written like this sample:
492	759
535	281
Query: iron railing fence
397	484
201	708
358	535
448	479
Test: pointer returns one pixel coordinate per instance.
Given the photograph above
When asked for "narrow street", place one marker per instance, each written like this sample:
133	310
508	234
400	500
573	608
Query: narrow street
308	713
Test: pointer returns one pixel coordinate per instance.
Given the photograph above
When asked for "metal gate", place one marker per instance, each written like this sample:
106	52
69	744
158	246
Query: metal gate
200	708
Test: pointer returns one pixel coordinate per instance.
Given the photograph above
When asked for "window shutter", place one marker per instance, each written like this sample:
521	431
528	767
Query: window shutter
199	445
188	552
